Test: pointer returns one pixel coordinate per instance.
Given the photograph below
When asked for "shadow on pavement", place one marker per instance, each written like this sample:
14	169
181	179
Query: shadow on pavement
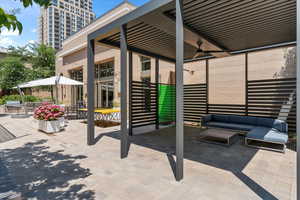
43	174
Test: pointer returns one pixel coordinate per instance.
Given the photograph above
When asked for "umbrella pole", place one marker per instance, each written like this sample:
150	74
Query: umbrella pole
56	93
23	99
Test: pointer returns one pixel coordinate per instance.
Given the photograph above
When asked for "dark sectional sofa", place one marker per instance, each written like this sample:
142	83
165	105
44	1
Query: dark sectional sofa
261	131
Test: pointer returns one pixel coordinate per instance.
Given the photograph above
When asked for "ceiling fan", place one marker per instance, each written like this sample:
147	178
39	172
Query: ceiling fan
200	52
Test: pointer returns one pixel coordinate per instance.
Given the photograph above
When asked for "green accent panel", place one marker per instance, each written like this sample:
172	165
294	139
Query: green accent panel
167	103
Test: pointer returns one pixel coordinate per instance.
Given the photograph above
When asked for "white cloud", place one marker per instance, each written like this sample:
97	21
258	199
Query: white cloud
34	30
5	32
6	41
31	41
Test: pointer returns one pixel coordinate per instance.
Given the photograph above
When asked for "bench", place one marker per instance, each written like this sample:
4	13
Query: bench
13	106
265	133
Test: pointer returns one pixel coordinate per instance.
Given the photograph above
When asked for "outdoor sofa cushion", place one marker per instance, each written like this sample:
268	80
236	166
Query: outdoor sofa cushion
261	129
244	127
245	120
268	135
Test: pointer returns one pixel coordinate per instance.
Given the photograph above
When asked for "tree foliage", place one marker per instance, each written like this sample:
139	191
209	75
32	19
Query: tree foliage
40	57
10	21
21	52
12	72
43	60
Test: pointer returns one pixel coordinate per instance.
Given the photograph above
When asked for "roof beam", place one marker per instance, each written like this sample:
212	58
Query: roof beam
140	11
136	50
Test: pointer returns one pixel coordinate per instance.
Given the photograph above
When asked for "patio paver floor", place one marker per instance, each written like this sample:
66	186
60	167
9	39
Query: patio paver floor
64	167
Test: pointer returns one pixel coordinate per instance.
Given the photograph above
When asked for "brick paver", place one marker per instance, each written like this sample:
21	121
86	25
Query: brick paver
62	166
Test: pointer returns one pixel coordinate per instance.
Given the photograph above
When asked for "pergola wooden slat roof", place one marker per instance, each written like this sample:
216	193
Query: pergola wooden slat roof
230	25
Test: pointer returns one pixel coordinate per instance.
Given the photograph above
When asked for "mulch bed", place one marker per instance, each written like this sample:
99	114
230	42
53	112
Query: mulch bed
104	123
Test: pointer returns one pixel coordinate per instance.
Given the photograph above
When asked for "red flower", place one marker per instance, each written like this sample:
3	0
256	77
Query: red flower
48	112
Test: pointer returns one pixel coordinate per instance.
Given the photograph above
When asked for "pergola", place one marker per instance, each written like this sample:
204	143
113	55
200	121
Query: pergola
170	30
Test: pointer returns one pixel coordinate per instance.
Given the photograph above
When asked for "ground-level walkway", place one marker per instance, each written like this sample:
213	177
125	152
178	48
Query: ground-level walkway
62	166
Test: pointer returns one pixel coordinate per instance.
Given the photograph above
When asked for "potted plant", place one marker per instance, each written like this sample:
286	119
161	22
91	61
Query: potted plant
50	118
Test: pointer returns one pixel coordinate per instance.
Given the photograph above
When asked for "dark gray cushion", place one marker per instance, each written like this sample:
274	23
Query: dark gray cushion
244	122
250	120
268	135
267	122
206	119
237	119
220	118
235	126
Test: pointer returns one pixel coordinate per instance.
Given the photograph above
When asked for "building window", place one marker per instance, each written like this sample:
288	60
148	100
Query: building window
104	70
146	80
145	63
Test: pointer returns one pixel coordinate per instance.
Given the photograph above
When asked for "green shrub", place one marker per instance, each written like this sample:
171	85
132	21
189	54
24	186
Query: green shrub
27	98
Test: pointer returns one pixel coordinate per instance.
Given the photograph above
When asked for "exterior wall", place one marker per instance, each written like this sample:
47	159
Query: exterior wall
42	93
227	80
72	56
227	75
275	63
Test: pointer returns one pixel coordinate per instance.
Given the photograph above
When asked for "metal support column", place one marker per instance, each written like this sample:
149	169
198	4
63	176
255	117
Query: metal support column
246	84
130	92
207	84
124	129
90	92
179	90
298	99
157	93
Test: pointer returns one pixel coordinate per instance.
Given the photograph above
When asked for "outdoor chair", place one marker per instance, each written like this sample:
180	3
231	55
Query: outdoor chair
71	112
265	133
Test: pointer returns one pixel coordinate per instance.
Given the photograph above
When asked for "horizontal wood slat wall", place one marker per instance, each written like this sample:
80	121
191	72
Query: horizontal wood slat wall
272	98
195	102
143	103
227	109
275	98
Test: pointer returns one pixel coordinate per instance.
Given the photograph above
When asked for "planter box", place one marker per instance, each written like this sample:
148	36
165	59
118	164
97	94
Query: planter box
52	126
62	122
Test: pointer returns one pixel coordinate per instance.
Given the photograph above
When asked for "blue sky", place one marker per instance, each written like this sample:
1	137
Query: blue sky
29	19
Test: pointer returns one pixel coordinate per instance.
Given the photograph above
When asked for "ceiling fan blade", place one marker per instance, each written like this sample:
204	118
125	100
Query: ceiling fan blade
198	54
214	51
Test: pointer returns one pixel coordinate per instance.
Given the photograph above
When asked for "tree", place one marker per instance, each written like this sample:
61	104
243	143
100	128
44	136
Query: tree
39	56
12	73
43	60
22	52
10	21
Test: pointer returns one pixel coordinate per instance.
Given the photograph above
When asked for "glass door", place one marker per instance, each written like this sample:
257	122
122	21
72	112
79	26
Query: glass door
77	90
105	94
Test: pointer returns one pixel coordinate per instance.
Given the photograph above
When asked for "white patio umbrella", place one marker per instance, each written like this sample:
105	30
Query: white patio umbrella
54	80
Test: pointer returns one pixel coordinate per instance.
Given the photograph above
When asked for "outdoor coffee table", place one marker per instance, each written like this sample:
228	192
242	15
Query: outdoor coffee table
219	136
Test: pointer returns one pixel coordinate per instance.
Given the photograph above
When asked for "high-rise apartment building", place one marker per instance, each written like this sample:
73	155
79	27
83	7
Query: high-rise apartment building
62	19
